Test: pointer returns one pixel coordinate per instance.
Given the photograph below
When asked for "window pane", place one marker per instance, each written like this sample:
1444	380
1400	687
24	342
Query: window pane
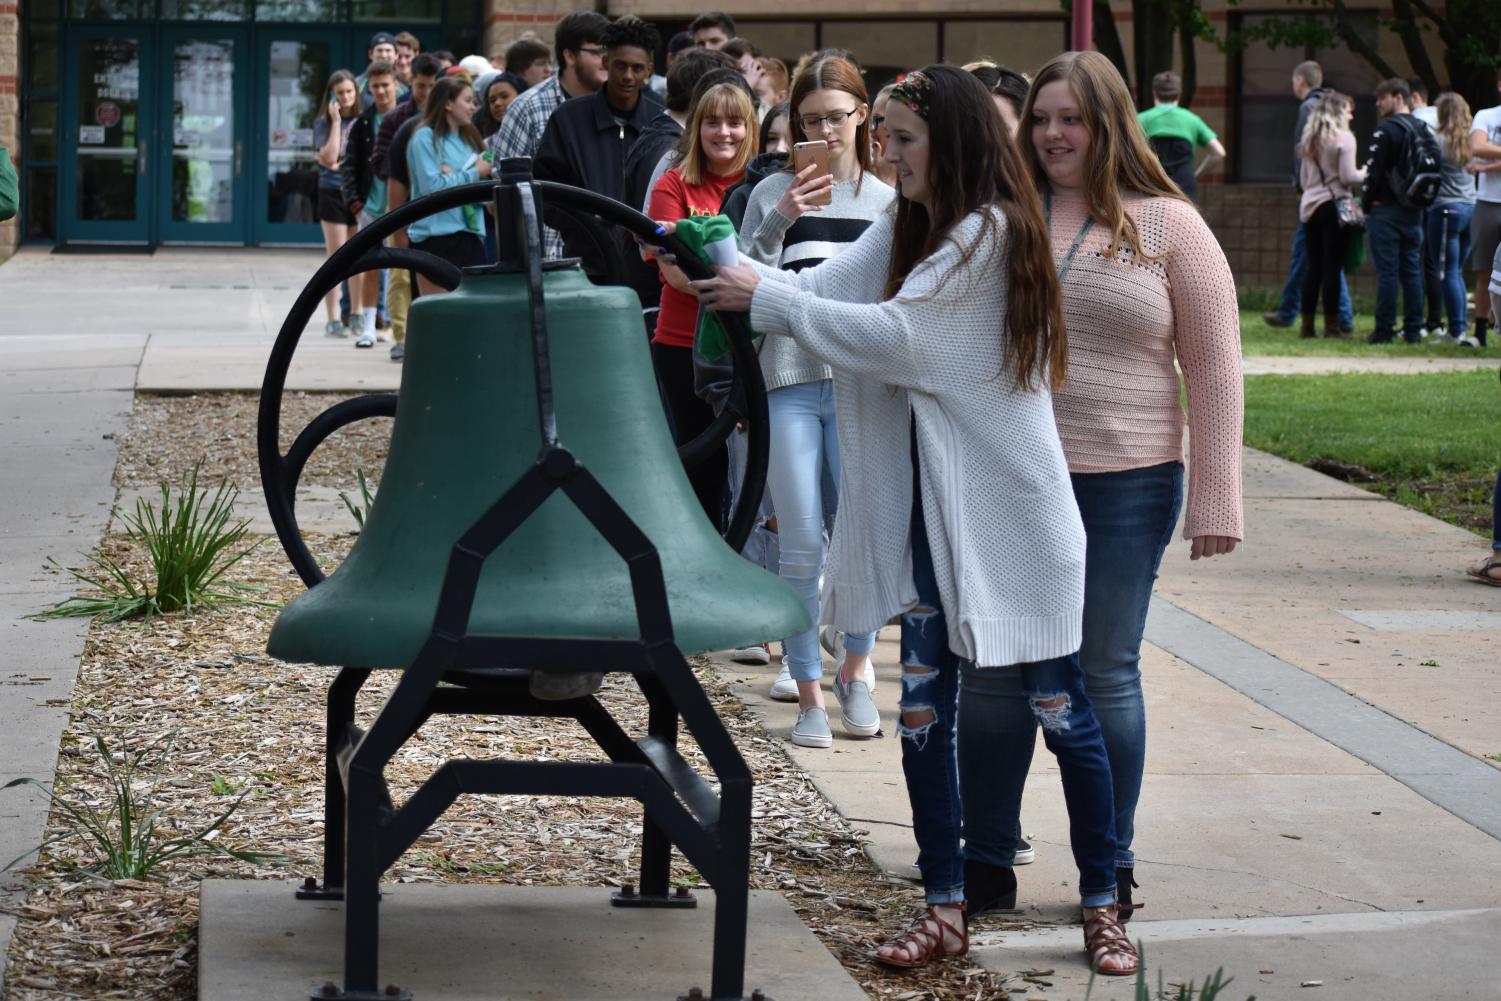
203	131
44	8
785	40
1019	45
112	10
109	93
41	203
1267	111
297	10
41	56
298	72
42	128
424	11
884	48
206	10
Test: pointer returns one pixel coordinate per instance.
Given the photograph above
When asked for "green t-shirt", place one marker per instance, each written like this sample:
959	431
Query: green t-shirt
1168	121
376	203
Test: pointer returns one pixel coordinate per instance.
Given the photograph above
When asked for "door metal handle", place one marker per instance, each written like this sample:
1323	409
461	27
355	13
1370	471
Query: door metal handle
141	158
239	156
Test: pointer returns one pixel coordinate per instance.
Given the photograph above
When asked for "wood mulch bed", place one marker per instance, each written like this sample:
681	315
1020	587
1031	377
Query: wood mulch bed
242	723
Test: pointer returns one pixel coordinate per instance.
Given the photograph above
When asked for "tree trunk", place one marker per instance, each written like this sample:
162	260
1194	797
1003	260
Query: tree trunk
1407	28
1188	56
1107	38
1152	31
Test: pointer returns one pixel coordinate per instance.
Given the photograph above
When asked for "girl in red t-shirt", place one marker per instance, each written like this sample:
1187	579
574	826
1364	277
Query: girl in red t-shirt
716	146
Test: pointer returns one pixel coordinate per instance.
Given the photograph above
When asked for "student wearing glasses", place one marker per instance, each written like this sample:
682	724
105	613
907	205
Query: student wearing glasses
787	225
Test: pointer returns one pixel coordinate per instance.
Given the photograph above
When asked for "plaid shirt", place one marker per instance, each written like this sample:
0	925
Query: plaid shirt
520	134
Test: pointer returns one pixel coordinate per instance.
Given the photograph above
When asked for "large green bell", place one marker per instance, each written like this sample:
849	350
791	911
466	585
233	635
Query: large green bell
466	428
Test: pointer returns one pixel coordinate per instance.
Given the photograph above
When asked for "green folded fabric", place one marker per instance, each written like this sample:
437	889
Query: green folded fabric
712	239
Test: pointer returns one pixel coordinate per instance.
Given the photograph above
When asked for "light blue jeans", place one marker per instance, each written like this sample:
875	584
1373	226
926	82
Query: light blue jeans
804	447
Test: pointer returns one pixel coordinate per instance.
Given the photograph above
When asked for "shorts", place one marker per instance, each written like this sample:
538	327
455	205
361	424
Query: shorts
331	207
462	249
1485	234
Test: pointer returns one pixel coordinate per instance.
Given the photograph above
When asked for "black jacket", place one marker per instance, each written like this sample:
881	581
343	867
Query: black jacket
660	135
1383	153
395	119
585	146
354	169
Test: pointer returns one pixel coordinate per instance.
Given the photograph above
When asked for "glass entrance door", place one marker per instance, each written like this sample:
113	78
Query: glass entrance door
202	185
108	173
294	65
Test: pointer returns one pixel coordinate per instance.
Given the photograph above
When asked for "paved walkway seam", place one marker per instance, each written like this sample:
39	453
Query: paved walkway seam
1446	776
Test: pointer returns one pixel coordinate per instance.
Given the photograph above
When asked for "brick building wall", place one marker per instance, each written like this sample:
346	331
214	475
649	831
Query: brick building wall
1254	224
508	20
10	105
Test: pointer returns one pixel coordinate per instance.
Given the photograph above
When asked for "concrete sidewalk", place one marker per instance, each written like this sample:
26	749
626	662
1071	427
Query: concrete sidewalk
1318	807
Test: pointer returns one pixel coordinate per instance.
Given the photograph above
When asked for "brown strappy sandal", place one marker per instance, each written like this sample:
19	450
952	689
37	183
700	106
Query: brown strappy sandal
1110	951
929	945
1483	571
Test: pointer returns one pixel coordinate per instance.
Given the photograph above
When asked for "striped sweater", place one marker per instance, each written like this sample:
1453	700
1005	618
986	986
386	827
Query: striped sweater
771	238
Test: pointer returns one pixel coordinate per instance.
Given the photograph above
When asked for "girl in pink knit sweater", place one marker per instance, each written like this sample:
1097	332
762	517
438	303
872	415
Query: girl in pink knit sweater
1144	285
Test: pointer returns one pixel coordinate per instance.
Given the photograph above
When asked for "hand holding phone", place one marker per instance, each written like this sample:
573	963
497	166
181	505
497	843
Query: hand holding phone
812	185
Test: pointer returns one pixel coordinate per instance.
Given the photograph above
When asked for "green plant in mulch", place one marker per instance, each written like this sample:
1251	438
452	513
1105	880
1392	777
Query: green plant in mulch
190	544
127	830
360	510
1213	985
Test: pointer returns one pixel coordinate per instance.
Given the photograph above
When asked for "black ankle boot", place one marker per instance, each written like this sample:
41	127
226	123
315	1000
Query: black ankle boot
988	887
1125	882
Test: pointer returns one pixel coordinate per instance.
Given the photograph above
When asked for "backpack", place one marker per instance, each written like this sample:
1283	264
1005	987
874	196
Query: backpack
1415	175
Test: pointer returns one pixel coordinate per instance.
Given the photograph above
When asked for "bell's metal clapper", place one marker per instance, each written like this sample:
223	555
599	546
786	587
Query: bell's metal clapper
534	530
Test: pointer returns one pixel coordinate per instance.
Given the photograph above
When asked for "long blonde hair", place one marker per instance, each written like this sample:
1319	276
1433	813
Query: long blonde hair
1454	122
727	100
1119	156
1326	120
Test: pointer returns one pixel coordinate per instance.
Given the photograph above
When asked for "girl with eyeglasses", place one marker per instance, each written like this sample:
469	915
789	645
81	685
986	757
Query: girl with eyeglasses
787	226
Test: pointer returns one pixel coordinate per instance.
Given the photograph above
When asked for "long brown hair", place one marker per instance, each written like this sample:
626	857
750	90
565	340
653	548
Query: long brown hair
974	166
435	112
832	73
1454	121
1119	156
336	78
726	100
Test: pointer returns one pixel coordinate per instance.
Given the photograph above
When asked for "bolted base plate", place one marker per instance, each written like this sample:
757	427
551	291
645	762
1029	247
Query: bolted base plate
628	897
332	992
699	995
311	889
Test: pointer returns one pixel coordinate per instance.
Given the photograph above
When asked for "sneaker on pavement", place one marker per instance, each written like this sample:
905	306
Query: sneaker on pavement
784	689
812	729
857	710
756	653
357	324
365	340
1025	853
1273	320
335	329
832	641
1468	341
398	350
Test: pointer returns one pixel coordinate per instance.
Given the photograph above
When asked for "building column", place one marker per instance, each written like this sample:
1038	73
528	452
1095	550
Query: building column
10	107
508	20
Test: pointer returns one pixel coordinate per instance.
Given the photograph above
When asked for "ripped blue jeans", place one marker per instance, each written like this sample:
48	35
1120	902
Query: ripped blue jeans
958	783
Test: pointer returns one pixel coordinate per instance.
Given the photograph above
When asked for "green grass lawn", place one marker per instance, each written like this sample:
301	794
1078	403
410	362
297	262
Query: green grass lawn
1256	338
1432	442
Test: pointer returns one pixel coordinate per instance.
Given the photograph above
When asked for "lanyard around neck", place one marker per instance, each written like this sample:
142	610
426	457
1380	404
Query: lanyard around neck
1068	258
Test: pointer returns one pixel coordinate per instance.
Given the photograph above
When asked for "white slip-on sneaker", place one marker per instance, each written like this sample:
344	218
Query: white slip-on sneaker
784	689
753	654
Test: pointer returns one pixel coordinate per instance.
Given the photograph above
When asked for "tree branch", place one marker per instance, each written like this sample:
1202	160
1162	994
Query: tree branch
1412	42
1347	34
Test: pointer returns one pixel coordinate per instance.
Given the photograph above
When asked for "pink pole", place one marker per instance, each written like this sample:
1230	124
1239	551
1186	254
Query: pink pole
1081	38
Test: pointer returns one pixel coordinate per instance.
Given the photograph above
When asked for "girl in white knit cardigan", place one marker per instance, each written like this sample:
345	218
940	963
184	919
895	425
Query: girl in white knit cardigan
978	541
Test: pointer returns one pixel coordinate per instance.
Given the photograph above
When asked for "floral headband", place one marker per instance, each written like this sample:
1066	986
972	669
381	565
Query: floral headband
916	92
